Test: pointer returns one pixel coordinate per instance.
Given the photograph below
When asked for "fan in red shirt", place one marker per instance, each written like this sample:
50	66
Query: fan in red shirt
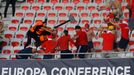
81	41
49	47
124	36
63	44
108	40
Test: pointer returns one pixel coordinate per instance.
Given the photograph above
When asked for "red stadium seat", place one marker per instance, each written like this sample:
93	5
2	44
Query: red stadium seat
36	6
52	13
24	27
41	1
25	6
30	13
98	1
86	1
41	13
69	6
19	13
7	50
28	20
63	13
53	1
80	6
15	42
64	1
58	6
17	49
30	1
52	21
75	1
13	27
74	13
8	34
84	13
91	6
47	6
20	34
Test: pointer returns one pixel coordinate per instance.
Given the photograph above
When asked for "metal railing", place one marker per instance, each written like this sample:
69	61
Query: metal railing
92	55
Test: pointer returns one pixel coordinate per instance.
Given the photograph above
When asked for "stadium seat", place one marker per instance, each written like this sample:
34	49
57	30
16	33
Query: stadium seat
5	42
13	27
97	20
74	13
65	1
15	42
102	5
7	50
16	20
62	20
54	1
25	6
95	13
24	27
17	49
91	6
41	13
73	24
63	13
30	1
69	6
52	13
36	6
19	13
76	1
131	48
52	21
104	13
41	1
47	6
28	20
30	13
20	34
59	6
86	1
84	13
8	34
80	6
85	20
39	19
98	1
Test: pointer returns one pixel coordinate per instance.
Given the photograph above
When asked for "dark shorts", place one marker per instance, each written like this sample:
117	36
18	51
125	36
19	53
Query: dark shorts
123	43
90	45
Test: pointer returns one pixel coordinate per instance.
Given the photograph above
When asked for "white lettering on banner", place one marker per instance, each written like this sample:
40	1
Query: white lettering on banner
118	70
127	70
36	71
111	71
4	71
30	70
87	70
43	72
103	71
95	71
53	71
72	71
63	71
80	70
20	71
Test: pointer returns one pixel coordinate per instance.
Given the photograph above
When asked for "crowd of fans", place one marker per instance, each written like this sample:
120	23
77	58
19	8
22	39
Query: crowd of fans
48	42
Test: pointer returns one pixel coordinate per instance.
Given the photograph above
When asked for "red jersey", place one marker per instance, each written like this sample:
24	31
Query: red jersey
124	30
82	38
50	46
108	41
63	42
